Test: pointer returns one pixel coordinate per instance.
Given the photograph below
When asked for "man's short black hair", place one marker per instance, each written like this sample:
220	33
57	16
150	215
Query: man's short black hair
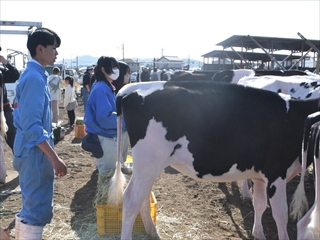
44	37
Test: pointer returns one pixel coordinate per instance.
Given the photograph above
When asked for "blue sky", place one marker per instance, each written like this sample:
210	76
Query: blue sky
147	29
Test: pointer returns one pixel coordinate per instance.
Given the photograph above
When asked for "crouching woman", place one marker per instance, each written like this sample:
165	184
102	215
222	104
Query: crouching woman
101	116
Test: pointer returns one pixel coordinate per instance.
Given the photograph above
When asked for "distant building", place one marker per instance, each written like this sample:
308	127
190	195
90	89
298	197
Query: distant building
169	62
134	66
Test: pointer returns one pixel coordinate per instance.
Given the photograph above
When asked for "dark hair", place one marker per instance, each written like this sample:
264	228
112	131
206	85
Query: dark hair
70	79
55	70
123	69
107	63
44	37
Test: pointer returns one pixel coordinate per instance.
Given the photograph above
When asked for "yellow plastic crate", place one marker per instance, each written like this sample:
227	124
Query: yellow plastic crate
109	218
80	131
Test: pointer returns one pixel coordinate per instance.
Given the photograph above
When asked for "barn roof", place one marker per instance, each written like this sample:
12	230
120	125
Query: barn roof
269	45
171	59
251	56
128	60
246	41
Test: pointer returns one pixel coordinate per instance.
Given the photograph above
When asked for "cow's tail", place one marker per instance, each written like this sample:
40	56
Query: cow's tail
299	203
118	180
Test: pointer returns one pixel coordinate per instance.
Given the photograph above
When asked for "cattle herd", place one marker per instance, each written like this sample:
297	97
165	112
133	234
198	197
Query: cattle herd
228	126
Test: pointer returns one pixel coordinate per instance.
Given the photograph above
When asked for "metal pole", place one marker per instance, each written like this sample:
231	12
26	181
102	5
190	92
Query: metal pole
300	59
230	59
285	58
281	62
242	58
314	48
271	57
309	43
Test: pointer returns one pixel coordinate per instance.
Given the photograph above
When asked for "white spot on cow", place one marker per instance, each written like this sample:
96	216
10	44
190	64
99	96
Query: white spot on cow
156	148
233	174
142	88
299	87
241	73
286	98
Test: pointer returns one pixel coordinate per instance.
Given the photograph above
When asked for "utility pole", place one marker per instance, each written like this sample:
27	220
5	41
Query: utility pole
72	59
162	52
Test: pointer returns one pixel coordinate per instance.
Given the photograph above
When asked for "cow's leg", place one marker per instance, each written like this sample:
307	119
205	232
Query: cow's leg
308	173
136	198
309	226
147	220
245	190
259	203
279	206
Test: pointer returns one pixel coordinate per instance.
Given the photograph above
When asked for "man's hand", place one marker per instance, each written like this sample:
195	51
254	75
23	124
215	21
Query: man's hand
58	164
60	167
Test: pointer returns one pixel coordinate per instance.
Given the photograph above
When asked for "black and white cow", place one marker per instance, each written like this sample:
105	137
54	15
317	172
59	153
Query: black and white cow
296	86
212	132
300	87
226	76
234	75
309	226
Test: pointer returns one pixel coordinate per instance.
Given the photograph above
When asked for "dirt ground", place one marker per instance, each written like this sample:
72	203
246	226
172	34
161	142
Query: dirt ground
186	209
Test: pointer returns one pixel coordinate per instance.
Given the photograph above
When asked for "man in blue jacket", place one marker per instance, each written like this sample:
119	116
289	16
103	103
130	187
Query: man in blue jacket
34	156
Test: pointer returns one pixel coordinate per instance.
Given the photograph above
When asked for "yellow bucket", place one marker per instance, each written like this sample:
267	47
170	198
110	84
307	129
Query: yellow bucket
129	158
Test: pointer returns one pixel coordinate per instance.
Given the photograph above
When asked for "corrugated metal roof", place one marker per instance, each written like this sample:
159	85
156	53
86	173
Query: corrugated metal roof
171	59
251	56
128	60
274	43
